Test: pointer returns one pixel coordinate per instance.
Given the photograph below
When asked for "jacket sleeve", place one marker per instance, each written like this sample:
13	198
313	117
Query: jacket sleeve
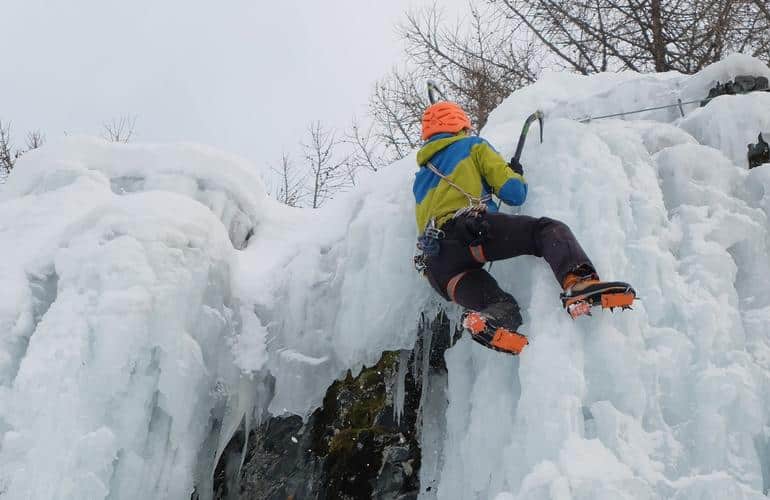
509	186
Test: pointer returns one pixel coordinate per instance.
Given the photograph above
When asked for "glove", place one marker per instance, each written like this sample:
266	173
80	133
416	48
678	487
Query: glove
516	166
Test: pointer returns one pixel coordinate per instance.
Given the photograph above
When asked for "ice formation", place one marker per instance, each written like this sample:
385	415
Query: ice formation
147	290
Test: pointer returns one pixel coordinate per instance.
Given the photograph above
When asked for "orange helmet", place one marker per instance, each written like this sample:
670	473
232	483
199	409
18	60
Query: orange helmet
443	116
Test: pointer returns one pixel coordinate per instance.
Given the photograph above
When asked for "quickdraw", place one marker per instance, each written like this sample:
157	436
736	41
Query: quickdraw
428	242
428	246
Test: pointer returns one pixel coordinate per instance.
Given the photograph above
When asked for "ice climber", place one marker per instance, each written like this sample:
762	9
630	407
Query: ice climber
461	230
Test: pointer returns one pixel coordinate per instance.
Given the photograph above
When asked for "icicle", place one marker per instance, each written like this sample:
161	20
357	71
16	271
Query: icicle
425	365
399	393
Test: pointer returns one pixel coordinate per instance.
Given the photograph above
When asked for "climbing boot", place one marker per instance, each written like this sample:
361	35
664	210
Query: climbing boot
484	330
581	293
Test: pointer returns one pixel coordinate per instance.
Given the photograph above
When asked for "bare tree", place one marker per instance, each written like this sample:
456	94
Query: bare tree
367	150
120	129
478	63
291	185
505	44
589	36
328	173
8	155
396	107
35	139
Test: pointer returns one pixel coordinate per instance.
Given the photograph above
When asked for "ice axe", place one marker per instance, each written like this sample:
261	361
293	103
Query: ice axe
434	89
537	115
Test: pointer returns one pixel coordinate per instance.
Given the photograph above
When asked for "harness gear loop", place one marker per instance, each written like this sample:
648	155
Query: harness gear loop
428	246
421	263
433	232
428	241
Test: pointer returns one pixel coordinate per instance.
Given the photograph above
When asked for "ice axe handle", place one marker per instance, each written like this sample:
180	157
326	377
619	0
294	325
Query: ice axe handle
537	115
434	89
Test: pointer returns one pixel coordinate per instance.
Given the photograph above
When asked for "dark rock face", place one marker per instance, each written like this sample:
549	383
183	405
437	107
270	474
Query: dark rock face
356	446
278	468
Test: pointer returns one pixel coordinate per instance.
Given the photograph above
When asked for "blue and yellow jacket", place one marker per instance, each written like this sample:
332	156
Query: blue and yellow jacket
471	163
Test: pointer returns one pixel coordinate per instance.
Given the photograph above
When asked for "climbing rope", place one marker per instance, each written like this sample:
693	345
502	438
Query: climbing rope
473	201
679	104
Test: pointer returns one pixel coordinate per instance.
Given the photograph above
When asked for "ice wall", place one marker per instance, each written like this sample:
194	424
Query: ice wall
117	317
336	288
667	401
148	290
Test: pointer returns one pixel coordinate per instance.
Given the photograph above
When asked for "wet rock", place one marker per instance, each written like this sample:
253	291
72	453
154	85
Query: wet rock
355	446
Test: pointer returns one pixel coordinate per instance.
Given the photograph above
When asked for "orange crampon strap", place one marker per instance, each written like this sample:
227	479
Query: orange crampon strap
505	340
474	322
612	300
579	308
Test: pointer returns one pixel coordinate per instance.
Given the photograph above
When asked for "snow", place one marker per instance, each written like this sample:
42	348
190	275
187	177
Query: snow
156	299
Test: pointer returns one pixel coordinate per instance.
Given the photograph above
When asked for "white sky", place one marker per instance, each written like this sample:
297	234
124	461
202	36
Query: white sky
246	76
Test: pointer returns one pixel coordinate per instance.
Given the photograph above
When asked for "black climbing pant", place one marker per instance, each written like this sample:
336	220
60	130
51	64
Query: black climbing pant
457	271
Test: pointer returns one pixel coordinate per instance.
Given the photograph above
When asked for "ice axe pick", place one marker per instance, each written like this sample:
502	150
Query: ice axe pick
537	115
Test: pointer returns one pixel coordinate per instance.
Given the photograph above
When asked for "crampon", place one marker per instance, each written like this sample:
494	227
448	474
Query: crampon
609	295
484	332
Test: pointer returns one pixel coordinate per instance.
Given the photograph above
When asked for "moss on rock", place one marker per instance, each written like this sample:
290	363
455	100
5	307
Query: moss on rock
353	446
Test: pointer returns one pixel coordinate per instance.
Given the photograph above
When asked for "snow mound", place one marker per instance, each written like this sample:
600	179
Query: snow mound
151	291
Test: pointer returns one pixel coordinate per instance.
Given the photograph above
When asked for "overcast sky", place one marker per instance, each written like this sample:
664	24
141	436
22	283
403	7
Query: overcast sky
246	76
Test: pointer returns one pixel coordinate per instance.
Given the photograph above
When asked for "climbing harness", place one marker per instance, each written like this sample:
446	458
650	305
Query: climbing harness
428	242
